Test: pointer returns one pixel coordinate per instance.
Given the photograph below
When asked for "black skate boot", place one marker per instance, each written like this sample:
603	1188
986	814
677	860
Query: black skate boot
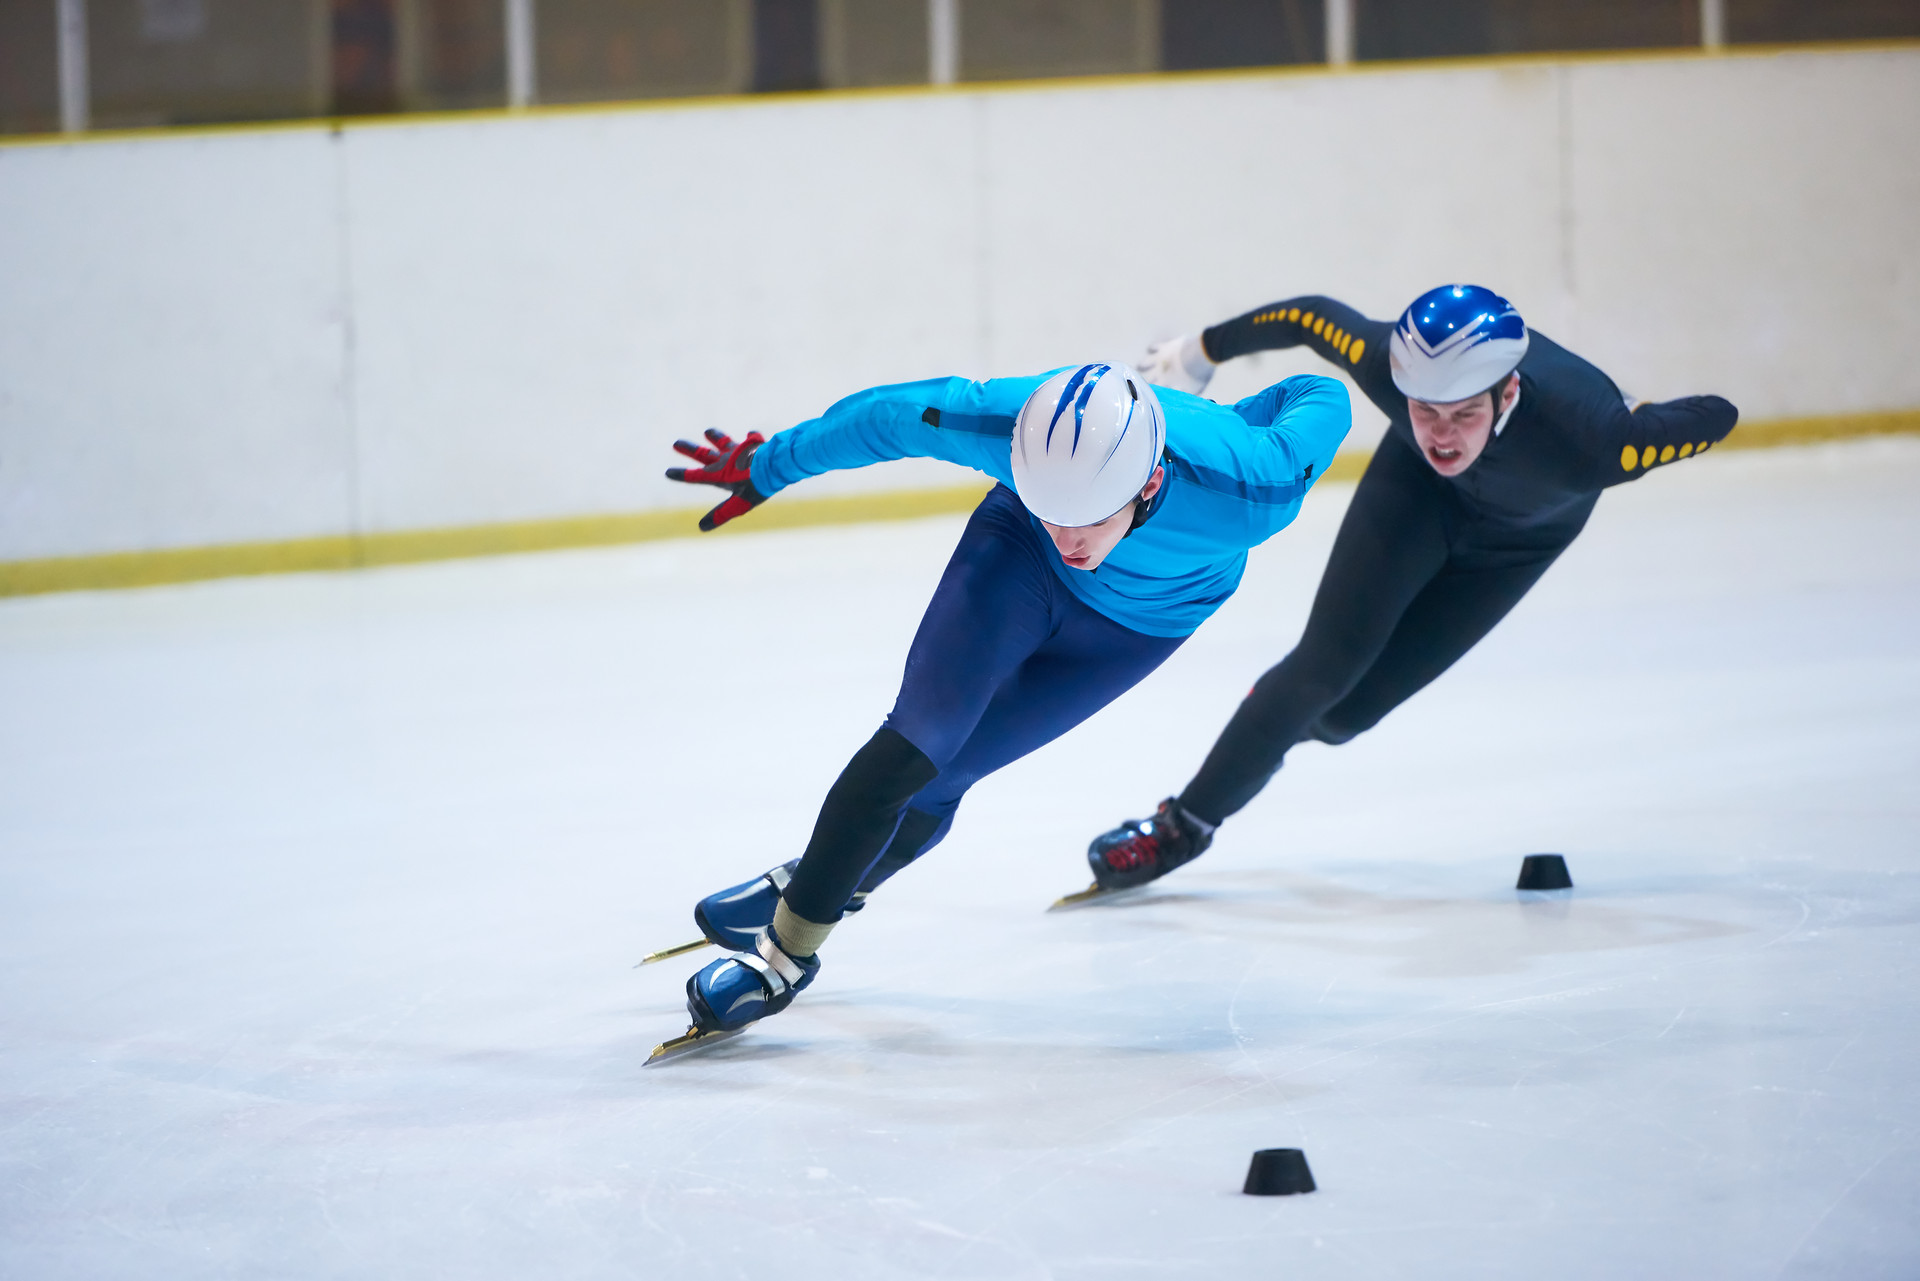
1145	849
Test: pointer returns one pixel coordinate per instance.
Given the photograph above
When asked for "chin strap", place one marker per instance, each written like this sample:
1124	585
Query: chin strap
1500	423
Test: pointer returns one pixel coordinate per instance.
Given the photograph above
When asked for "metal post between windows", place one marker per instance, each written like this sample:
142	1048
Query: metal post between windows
943	41
1339	23
521	86
75	96
1713	24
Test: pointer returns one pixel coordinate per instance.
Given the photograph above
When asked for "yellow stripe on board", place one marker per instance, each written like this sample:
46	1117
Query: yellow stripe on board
1810	431
232	560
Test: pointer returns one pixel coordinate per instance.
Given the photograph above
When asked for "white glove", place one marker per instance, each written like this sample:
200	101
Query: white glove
1179	363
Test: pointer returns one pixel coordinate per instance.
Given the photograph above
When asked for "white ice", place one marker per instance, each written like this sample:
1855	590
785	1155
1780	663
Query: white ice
318	897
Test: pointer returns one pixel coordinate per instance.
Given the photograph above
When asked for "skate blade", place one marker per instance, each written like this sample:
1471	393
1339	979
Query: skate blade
670	952
693	1039
1092	894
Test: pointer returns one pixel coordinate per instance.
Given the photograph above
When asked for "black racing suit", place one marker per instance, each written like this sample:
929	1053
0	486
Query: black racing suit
1424	565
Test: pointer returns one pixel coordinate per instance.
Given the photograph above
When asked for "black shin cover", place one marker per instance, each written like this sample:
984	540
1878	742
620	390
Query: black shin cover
860	813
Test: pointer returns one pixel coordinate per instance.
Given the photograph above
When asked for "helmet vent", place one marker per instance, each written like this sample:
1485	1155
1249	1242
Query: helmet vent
1132	390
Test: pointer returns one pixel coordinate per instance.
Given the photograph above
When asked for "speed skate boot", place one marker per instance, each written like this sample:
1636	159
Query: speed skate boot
1145	849
737	917
741	989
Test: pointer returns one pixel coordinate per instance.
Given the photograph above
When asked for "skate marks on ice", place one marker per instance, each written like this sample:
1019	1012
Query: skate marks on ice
1441	935
969	1072
1387	934
1869	1229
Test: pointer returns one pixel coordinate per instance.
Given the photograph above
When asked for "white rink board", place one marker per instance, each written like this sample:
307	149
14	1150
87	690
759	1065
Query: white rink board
224	337
318	896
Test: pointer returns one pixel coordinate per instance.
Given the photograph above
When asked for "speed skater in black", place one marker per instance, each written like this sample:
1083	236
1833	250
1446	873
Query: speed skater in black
1498	444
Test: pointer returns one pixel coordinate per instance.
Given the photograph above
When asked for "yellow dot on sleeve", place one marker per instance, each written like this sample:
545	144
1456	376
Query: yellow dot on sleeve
1345	338
1629	457
1701	448
1359	348
1666	455
1686	449
1293	313
1306	319
1648	456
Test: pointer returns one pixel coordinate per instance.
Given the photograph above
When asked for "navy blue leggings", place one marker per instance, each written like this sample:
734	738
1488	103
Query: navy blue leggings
1006	660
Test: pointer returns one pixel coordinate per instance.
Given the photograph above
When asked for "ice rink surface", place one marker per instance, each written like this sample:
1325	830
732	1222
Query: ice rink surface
318	897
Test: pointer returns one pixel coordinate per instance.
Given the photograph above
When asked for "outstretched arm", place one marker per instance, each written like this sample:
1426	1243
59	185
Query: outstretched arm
1654	433
952	419
1331	329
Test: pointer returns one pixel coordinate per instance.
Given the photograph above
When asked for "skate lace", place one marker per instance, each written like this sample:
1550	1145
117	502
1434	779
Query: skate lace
1139	850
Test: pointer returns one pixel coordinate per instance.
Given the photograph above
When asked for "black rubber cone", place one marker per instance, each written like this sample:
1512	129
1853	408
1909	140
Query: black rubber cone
1278	1172
1544	872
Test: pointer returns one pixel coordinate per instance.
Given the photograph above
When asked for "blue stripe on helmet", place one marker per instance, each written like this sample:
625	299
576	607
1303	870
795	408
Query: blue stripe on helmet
1082	381
1066	398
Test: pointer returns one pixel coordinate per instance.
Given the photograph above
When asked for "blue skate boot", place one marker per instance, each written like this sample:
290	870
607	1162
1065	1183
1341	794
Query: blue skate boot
731	993
734	993
737	917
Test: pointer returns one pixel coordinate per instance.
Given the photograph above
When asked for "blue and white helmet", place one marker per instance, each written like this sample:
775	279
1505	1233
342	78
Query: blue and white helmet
1086	444
1454	342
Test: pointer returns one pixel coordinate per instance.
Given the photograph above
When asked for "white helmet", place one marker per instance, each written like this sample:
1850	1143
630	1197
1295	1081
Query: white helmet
1454	342
1086	444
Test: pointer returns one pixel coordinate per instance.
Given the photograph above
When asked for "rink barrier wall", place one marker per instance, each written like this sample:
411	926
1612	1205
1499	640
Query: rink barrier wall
304	555
336	335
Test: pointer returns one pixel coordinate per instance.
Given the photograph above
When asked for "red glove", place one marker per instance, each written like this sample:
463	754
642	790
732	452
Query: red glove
726	465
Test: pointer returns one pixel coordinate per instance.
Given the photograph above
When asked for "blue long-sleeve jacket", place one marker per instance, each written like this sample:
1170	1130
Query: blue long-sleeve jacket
1235	477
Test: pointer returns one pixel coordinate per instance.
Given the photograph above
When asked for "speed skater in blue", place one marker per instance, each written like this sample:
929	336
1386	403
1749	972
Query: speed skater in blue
1121	520
1499	441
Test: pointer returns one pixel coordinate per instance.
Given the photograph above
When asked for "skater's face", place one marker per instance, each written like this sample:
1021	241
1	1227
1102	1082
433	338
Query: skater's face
1451	436
1085	546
